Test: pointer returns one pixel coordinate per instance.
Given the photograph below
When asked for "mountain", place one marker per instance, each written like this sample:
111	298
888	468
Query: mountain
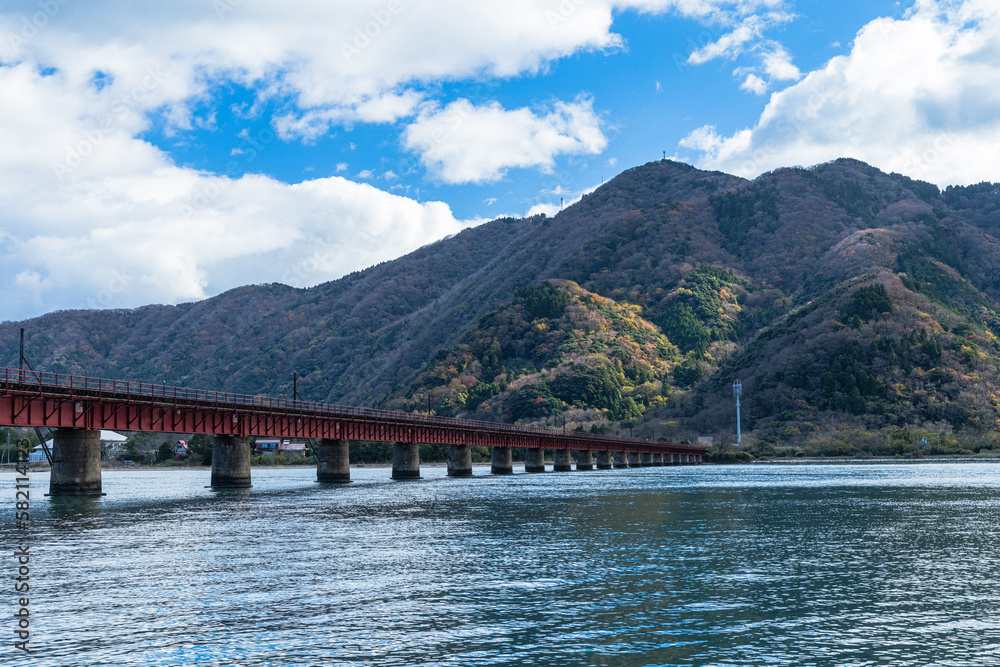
857	307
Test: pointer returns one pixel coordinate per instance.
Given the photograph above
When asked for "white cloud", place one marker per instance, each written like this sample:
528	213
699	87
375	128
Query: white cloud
551	209
94	215
772	59
915	95
778	65
463	143
180	235
754	84
731	44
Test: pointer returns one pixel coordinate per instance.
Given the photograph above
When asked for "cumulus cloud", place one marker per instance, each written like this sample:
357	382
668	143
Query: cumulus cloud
915	95
178	235
772	62
729	45
94	216
464	143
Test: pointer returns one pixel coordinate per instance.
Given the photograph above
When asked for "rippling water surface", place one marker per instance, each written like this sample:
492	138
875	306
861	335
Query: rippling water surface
749	565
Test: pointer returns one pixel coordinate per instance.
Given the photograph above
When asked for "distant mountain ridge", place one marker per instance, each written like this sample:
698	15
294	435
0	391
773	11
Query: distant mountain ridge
752	279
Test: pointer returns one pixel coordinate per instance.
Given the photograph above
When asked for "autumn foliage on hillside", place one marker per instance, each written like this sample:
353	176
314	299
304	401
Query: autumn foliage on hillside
858	308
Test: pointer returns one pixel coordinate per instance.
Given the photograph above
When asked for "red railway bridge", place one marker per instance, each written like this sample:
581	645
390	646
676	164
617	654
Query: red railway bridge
77	408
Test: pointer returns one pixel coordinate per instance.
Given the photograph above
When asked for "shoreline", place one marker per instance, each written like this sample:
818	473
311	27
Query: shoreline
442	464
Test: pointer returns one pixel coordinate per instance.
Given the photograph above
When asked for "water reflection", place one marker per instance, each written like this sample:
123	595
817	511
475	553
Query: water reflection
823	565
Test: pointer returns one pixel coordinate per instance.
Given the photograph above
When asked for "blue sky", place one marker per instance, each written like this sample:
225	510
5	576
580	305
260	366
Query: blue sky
640	119
165	152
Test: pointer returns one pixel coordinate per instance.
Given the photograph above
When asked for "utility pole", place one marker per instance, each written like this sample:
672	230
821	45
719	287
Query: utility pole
737	390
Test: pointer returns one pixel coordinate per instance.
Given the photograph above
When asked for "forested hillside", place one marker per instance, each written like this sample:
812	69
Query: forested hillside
858	308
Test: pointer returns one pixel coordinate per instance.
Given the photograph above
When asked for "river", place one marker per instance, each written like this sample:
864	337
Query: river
710	565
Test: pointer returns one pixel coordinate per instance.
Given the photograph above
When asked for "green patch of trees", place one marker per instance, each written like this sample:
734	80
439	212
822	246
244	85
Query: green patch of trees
543	301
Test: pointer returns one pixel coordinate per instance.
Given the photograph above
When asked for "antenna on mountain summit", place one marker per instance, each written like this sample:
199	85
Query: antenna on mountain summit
664	155
560	203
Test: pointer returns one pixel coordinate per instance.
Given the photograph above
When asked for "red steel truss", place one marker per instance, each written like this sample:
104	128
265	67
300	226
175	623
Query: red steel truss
30	398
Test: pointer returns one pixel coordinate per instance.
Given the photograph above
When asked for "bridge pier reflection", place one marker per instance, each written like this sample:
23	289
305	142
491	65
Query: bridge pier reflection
333	462
459	460
405	460
231	462
534	460
562	460
502	461
76	463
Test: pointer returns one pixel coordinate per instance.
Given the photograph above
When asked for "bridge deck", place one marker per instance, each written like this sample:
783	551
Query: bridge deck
30	398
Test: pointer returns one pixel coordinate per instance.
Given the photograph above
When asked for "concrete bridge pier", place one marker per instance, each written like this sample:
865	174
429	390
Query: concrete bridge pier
534	460
674	459
231	462
584	459
646	459
459	460
697	458
502	462
633	460
333	464
562	460
604	460
621	459
658	459
76	463
405	460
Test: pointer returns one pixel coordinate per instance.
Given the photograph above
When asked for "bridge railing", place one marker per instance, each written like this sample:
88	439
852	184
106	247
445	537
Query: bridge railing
21	380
